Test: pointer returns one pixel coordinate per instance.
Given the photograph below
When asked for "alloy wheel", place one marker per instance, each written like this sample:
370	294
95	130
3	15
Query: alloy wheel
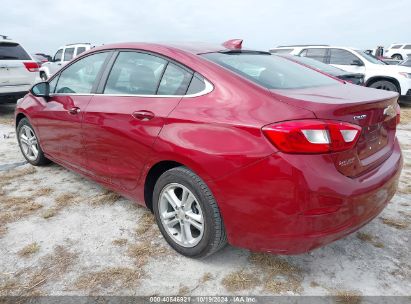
29	143
181	215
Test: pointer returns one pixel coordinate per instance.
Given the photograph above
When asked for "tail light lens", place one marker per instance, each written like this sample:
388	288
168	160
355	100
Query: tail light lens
31	66
312	136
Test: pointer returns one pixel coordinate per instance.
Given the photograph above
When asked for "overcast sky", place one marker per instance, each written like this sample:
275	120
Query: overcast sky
43	25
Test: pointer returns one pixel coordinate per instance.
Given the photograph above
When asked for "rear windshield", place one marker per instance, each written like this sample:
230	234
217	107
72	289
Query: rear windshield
12	51
270	71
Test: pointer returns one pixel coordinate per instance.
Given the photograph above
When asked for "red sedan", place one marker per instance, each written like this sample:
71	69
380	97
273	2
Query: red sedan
222	144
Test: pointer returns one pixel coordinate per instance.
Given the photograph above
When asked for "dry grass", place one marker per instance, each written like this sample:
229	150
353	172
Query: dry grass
28	281
366	237
7	121
62	201
405	115
183	290
120	242
395	223
240	280
279	275
141	252
43	191
7	177
145	225
119	277
29	250
15	208
206	277
106	197
348	297
314	284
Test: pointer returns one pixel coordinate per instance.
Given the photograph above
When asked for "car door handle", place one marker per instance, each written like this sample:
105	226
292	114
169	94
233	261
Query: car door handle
74	110
143	115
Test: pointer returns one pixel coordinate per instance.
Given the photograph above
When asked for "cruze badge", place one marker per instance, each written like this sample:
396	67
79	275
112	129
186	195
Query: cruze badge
359	117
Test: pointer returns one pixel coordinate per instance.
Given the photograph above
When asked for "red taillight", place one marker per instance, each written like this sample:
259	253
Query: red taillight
31	66
312	136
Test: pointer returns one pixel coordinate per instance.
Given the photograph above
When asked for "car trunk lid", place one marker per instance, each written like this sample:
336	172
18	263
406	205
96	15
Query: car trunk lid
373	110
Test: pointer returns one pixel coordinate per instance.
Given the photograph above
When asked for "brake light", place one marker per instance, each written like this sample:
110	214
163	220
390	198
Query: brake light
312	136
31	66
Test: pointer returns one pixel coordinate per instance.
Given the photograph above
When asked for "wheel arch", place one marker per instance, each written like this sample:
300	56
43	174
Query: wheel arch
19	117
374	79
153	175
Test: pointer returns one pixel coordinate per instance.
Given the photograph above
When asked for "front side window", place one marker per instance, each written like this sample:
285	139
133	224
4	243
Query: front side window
80	76
270	71
317	54
175	81
135	73
58	55
68	54
342	57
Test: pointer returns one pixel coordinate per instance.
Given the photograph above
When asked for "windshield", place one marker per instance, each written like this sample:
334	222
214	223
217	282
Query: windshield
270	71
329	69
370	58
406	63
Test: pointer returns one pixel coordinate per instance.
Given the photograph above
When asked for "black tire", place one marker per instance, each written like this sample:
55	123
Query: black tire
214	237
384	85
40	160
397	57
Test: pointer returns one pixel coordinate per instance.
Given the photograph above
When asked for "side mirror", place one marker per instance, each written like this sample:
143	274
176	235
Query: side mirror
357	62
42	89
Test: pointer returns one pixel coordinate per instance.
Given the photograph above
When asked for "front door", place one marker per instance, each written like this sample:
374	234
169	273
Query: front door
60	122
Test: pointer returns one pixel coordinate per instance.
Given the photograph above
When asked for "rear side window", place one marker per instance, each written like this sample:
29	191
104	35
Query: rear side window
396	46
80	50
175	81
317	54
79	77
197	85
135	73
57	56
68	54
407	47
12	51
271	71
341	57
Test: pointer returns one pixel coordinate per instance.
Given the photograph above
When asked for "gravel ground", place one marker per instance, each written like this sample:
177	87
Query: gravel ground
61	234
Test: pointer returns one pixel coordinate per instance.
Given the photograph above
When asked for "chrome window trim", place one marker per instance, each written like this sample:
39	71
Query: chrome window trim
208	89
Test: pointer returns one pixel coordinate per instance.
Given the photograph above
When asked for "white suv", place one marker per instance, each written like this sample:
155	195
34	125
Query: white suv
378	74
62	57
398	51
18	70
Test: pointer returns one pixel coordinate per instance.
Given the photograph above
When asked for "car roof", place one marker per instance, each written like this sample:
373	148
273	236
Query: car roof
189	47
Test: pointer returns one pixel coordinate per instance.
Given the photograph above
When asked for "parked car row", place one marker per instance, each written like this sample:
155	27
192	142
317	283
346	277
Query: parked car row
377	74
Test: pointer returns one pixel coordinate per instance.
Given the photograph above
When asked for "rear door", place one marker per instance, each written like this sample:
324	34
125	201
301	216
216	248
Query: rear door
122	123
13	62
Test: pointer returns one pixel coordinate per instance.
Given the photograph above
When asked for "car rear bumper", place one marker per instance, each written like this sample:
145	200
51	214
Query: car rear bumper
291	205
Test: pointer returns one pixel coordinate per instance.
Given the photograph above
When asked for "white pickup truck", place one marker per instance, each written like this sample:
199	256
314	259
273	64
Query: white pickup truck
62	57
